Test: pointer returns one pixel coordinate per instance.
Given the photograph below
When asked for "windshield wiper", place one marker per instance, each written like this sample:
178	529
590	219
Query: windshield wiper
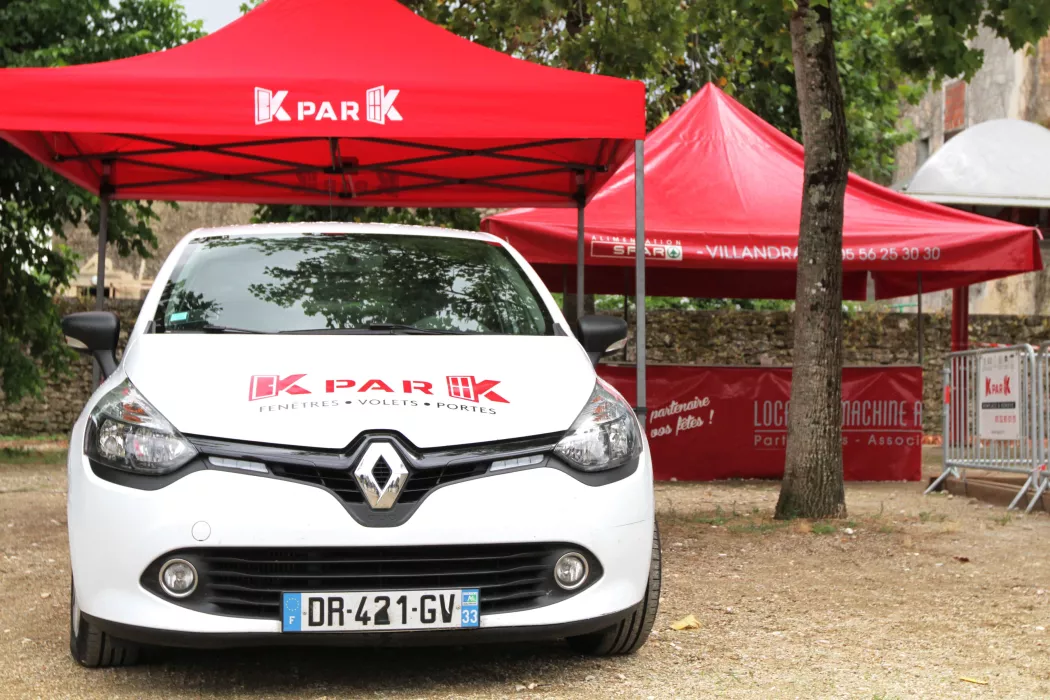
407	328
210	328
375	328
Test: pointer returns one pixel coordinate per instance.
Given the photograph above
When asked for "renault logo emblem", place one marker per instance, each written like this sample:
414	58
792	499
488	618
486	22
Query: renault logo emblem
381	496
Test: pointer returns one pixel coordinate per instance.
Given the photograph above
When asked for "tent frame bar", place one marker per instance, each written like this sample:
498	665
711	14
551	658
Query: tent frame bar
255	178
223	149
338	164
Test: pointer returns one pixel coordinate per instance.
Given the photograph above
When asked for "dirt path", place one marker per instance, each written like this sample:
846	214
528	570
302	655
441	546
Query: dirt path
924	591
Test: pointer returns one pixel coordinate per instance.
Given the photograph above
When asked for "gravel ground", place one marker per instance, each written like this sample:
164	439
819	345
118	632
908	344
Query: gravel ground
905	599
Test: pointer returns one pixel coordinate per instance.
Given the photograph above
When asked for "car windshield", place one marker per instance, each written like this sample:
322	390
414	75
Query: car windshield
349	283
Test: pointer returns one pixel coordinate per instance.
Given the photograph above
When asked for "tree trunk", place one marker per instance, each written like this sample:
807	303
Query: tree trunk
812	486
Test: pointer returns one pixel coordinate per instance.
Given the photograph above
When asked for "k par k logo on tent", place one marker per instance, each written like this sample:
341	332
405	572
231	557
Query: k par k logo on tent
269	106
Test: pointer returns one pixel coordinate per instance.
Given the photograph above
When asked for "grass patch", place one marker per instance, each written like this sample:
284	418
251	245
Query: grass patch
822	528
47	437
719	518
706	520
21	455
1004	519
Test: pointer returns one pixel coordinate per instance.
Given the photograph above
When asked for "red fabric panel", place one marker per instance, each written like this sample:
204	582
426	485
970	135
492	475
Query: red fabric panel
404	79
709	423
723	190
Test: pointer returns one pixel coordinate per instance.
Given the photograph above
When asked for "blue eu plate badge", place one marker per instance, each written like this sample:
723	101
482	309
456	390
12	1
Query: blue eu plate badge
292	612
469	608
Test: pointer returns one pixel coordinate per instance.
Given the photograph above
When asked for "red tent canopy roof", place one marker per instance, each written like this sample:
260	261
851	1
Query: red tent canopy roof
723	193
319	101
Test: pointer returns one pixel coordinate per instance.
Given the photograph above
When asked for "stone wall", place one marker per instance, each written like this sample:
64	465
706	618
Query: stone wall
57	408
674	337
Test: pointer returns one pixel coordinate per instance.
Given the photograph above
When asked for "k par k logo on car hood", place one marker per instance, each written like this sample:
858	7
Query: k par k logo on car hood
467	388
322	391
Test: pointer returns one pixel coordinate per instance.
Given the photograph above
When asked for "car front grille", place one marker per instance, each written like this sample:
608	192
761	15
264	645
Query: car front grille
249	581
333	470
342	483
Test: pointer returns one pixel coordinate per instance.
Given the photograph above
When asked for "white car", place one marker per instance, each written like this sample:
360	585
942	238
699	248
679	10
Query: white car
355	434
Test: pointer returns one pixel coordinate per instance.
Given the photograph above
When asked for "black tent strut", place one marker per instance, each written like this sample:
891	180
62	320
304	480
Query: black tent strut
338	165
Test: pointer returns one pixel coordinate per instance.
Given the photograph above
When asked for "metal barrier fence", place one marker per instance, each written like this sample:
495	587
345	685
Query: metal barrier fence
996	415
1042	410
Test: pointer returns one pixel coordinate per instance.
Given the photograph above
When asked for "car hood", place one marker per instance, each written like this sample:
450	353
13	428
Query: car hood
322	391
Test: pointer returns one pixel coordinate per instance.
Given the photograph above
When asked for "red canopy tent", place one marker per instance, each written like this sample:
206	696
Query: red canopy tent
722	220
327	102
319	101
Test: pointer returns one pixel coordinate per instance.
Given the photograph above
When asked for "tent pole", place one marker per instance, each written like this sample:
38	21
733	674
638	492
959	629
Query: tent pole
564	290
918	323
103	234
579	260
960	319
639	273
626	303
100	271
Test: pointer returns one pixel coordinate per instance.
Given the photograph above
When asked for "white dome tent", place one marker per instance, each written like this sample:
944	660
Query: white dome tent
999	163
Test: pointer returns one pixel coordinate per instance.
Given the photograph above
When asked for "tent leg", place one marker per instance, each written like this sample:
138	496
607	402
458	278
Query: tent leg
960	319
626	303
579	261
919	321
564	290
100	274
103	234
639	274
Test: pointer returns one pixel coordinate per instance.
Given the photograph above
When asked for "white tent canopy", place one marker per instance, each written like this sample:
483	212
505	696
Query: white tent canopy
1004	162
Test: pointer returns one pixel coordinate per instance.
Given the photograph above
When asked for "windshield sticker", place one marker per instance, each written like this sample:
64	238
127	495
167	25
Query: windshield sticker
337	392
180	316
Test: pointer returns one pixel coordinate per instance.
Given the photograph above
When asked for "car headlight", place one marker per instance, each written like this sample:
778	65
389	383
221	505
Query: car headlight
126	432
604	436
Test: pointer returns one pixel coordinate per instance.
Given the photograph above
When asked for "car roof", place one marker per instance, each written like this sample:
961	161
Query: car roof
341	227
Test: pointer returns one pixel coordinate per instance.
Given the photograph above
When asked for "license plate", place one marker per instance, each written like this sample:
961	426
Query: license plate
380	611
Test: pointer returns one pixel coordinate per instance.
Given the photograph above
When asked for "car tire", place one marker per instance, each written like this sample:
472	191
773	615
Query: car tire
628	635
93	648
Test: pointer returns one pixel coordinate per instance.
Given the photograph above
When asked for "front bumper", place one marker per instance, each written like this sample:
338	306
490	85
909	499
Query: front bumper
230	640
116	532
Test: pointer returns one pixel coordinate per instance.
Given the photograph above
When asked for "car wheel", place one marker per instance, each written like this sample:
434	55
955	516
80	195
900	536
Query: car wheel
91	646
628	635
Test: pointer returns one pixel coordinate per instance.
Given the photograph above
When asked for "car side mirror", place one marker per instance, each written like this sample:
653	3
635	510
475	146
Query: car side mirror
94	333
601	335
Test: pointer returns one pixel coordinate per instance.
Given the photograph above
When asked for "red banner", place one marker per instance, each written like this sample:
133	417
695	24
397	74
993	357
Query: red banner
709	423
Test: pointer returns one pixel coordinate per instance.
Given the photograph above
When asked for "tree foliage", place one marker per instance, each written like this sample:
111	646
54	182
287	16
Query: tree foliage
36	205
677	46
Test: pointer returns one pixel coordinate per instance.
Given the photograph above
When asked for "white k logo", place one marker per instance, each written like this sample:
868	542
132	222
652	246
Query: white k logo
268	106
381	105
